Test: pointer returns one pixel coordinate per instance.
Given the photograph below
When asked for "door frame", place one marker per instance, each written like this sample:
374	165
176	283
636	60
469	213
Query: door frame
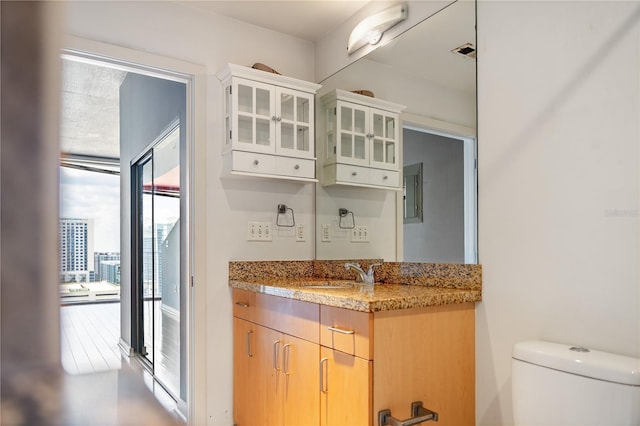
470	157
194	76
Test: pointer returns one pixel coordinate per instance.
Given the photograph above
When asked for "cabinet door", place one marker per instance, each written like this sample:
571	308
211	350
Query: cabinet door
301	380
352	139
294	117
384	139
257	390
346	389
253	116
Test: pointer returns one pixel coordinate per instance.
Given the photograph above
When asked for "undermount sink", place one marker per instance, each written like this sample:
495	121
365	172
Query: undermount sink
329	285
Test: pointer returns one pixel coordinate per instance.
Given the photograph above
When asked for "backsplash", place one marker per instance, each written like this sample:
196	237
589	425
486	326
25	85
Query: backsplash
446	275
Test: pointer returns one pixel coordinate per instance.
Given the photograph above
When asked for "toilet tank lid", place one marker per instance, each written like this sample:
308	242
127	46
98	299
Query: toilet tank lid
594	364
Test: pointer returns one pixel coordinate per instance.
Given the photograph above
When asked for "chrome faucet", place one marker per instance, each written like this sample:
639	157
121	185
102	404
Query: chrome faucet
365	277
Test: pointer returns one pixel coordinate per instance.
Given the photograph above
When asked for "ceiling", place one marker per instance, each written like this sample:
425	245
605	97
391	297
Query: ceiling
90	109
306	19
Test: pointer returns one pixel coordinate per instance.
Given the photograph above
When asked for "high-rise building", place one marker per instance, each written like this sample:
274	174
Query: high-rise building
76	249
100	257
153	258
110	271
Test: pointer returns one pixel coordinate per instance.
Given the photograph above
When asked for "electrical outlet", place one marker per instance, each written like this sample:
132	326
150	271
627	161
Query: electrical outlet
360	234
326	232
301	234
259	231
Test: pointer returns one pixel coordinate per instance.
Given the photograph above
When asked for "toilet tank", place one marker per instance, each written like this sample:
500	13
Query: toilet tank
557	384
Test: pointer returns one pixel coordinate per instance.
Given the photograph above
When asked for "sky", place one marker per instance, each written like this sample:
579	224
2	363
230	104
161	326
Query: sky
87	195
90	195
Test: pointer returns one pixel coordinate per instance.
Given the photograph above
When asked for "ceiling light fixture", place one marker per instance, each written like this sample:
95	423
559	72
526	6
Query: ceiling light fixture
371	29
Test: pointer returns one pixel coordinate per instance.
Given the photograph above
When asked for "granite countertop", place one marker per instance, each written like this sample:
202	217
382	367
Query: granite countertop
404	286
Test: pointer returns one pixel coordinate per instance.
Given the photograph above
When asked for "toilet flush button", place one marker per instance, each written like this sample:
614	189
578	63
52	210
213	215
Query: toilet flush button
579	349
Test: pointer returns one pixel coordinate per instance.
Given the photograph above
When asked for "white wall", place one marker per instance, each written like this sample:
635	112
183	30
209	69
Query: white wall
177	31
419	96
558	183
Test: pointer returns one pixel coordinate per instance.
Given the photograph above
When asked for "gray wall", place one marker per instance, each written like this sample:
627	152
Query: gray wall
147	106
440	237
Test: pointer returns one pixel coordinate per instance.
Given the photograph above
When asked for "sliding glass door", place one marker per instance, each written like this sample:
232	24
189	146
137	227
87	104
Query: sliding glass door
157	245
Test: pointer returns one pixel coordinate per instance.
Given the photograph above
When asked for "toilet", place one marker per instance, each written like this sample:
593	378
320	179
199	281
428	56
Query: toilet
557	384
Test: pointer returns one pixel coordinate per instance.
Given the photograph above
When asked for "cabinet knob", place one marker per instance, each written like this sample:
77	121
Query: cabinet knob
354	173
385	177
278	118
296	167
256	162
273	118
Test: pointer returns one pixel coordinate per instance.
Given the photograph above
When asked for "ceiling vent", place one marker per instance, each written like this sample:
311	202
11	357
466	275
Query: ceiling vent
468	50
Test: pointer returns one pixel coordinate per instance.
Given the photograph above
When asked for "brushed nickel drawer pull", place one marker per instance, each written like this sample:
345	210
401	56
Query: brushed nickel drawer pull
242	304
276	350
286	353
341	331
249	333
324	371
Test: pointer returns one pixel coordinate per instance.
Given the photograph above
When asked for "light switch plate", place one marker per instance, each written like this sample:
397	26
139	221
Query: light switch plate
301	232
326	232
360	234
259	231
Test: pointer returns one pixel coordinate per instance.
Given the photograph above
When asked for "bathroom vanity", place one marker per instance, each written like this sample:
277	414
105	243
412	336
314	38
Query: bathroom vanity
312	348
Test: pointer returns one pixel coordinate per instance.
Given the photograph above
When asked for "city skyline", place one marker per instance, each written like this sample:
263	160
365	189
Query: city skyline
90	195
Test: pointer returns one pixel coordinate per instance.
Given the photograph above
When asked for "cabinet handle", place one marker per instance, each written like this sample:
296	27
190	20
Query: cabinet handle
278	118
249	333
256	162
340	330
242	304
276	350
286	351
273	118
354	173
419	414
324	375
296	167
385	177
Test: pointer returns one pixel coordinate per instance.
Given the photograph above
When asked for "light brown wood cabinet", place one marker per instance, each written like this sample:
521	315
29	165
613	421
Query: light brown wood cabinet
334	366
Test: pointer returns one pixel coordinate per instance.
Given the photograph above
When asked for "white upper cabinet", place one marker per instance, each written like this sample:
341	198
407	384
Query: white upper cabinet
269	124
360	141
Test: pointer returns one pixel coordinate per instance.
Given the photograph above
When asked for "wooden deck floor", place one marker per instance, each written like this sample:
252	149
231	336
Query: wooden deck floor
89	337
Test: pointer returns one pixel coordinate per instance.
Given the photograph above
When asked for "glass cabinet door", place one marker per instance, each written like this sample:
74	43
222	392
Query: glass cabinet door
352	124
253	122
384	139
294	118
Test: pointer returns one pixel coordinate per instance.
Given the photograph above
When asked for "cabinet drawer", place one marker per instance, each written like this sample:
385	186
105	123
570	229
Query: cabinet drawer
346	331
244	305
288	316
384	177
253	163
299	167
353	174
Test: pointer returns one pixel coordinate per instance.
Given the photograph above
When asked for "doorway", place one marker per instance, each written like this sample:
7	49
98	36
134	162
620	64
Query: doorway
440	197
152	126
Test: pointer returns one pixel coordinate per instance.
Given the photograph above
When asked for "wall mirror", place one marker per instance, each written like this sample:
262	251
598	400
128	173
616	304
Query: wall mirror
431	69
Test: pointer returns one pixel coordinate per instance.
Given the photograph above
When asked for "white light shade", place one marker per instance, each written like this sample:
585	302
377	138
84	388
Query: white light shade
370	29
